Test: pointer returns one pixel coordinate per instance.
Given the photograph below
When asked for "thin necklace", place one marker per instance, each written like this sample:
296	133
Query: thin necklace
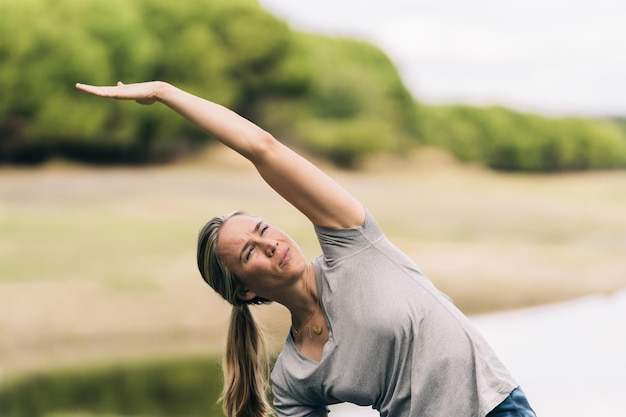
316	329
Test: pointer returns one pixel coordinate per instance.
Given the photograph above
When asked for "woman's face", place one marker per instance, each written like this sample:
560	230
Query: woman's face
263	257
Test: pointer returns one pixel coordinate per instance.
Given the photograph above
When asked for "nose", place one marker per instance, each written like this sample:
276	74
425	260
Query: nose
269	247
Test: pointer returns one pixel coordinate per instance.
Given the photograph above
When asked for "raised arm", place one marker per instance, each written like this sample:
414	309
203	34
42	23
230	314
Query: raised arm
301	183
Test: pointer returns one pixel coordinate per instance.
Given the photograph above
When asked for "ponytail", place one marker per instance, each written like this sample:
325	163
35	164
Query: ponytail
246	367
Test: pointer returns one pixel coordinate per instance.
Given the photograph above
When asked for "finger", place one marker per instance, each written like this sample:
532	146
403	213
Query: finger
105	91
86	88
92	89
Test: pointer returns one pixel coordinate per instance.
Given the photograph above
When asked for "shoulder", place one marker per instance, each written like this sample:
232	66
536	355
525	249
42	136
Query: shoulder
339	243
367	228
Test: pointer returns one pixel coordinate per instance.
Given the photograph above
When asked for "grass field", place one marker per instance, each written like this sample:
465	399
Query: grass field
98	264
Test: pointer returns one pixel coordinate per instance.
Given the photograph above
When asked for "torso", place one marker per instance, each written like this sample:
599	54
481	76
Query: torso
394	340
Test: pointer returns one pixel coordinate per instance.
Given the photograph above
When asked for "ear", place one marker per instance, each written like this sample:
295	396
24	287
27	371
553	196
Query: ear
244	294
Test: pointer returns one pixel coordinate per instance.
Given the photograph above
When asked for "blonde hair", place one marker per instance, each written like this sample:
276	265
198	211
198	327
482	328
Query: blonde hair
246	366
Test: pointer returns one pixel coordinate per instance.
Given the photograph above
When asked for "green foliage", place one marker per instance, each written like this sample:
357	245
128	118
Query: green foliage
621	123
356	104
233	52
222	49
81	414
507	140
188	387
339	98
346	141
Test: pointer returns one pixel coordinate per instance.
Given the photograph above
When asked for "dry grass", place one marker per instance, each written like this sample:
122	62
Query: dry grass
98	264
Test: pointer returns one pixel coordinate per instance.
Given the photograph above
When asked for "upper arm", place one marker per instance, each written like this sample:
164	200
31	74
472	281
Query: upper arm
314	193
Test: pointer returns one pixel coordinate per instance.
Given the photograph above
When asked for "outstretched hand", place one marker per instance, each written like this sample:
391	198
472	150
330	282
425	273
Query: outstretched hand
142	93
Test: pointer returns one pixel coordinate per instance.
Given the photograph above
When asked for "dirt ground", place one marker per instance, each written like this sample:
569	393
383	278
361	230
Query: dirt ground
489	240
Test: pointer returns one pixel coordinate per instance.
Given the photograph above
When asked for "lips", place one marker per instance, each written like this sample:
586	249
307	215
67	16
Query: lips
285	258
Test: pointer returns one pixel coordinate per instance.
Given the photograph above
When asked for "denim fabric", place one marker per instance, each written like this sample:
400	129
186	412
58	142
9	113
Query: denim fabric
515	405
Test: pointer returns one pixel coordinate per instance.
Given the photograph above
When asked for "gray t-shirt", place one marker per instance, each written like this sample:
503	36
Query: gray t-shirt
396	343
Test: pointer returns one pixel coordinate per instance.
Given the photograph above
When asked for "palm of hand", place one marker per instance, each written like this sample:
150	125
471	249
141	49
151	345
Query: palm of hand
142	93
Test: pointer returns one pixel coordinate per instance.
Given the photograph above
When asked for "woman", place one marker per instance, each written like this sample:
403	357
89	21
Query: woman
367	326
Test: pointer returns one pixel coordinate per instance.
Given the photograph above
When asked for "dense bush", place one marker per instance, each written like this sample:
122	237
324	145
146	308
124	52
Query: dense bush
231	51
188	387
621	123
356	105
339	98
507	140
46	47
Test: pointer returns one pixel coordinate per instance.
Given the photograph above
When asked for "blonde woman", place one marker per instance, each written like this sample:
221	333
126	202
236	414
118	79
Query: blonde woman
367	326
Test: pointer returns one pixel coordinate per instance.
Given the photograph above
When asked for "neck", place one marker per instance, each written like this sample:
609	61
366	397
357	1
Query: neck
303	300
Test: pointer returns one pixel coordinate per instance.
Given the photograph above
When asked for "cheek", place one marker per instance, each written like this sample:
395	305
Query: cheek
251	272
257	268
236	268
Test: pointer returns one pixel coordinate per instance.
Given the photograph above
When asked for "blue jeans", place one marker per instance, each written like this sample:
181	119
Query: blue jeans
515	405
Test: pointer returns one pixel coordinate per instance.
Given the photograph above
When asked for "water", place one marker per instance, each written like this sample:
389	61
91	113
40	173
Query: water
570	358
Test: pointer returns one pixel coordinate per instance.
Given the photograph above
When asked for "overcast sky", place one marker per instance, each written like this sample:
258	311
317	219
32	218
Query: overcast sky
550	56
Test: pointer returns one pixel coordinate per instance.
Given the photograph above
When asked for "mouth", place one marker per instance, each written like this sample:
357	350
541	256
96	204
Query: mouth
285	258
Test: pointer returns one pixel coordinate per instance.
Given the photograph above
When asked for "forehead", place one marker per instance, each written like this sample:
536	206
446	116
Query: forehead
240	223
235	232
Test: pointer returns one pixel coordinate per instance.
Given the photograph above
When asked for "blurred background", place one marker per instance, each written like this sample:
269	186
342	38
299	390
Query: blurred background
489	140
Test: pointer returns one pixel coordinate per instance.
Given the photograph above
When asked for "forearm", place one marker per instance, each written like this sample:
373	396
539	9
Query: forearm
223	124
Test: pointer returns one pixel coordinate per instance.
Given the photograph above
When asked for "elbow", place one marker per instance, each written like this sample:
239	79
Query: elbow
263	147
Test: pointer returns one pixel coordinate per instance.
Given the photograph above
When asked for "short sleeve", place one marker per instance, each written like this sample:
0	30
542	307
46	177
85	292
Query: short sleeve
337	244
286	406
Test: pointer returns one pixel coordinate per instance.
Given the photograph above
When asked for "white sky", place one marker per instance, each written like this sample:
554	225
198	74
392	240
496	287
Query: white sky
549	56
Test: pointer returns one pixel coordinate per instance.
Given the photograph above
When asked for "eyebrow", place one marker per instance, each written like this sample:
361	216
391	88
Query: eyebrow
256	229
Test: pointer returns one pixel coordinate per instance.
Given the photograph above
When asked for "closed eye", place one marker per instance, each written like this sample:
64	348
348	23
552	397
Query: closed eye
249	253
249	248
